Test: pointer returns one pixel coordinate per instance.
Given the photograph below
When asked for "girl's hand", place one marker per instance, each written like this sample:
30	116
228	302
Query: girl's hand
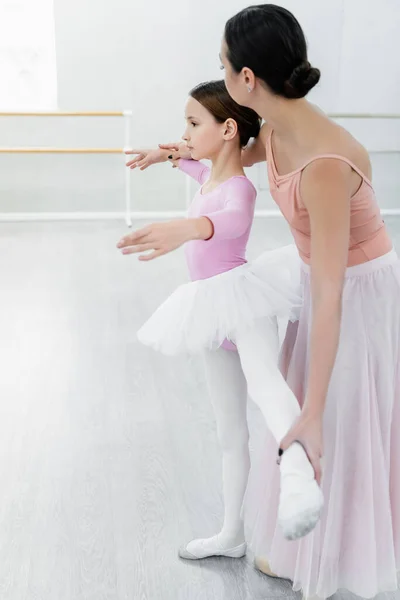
308	431
177	150
146	158
162	238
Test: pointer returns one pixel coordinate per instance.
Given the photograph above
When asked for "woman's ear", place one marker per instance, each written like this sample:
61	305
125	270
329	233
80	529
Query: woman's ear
248	79
230	130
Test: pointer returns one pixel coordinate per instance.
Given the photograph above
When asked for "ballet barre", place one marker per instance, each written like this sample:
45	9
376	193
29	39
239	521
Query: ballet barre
44	150
126	114
68	113
364	115
368	116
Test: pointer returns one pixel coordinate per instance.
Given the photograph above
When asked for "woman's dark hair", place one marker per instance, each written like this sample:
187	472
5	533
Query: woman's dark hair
214	96
269	40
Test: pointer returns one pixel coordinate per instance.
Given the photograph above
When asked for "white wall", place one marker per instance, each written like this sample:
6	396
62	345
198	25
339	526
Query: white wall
147	55
28	68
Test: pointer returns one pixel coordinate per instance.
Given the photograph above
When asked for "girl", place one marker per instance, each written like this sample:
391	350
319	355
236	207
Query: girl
230	304
342	358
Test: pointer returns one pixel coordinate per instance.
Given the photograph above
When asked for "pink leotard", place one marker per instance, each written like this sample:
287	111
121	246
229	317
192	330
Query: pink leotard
369	238
230	208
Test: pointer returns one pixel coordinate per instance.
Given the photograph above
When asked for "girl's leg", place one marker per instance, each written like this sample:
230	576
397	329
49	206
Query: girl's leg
301	498
228	391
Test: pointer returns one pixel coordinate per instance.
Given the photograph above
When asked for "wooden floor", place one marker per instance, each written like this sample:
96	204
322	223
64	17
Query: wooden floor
108	452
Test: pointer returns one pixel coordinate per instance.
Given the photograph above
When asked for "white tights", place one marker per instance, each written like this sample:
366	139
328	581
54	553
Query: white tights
230	375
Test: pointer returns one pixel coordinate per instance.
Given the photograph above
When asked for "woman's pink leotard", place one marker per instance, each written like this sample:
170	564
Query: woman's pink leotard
369	238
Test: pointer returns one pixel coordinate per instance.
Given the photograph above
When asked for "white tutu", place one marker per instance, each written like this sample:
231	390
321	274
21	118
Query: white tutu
203	314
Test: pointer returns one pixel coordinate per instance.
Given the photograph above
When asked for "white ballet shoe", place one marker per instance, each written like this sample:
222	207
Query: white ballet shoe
197	549
301	501
300	509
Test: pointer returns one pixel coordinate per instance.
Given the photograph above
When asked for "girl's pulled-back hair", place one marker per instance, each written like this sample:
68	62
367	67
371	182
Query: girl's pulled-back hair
214	96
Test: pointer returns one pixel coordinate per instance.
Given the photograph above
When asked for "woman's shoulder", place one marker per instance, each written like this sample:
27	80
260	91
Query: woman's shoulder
335	140
265	132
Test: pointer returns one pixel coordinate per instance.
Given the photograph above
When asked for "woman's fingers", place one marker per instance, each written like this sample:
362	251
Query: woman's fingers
316	463
286	442
313	455
171	146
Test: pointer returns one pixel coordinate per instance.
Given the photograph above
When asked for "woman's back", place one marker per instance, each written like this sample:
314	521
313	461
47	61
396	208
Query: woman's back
287	164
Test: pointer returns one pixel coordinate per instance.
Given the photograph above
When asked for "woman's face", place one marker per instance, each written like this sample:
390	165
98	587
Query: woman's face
235	82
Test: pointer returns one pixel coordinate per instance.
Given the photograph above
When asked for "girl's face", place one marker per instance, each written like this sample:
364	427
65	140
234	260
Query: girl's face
203	135
237	84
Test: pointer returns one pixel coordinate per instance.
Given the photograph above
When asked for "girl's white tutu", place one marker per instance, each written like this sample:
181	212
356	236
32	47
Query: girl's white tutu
203	314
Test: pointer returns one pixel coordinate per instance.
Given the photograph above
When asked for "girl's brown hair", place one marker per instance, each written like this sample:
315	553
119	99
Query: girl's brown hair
214	96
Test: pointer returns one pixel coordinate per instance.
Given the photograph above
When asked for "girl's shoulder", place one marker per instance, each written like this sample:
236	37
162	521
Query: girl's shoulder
240	185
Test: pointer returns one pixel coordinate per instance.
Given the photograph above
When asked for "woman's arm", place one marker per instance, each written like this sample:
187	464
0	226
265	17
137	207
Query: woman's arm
256	151
326	191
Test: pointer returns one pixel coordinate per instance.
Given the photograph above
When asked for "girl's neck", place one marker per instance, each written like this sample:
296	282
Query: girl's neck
226	164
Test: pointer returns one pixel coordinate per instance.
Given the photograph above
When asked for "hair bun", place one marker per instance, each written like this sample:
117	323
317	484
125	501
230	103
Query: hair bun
303	78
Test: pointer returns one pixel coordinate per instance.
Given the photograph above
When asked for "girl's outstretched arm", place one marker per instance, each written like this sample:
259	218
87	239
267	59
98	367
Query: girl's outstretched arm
252	154
194	168
229	222
144	158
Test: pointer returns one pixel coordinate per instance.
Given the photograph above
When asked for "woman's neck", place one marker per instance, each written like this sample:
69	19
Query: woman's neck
290	119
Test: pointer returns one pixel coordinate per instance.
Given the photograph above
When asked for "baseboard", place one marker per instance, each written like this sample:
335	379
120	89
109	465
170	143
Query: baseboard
142	215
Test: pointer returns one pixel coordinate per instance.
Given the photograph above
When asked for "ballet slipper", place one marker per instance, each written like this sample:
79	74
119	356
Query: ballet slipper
197	550
301	500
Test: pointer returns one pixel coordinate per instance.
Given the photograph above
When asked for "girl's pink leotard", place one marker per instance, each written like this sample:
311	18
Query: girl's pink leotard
230	208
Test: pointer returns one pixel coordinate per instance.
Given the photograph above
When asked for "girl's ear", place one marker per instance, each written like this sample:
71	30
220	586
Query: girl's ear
230	129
